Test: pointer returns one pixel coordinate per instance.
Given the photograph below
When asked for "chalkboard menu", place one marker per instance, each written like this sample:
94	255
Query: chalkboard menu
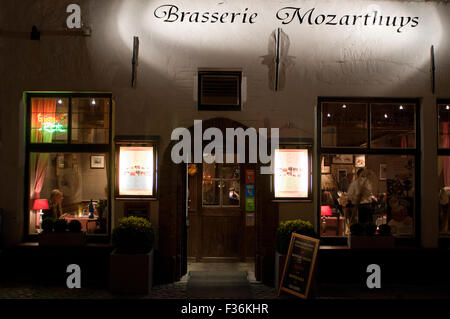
299	265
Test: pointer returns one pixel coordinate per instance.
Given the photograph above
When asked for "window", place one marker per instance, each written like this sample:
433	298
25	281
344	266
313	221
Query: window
219	90
444	166
221	185
68	160
292	173
368	159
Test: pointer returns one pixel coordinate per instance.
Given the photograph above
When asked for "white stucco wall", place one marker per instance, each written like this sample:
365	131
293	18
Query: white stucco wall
320	60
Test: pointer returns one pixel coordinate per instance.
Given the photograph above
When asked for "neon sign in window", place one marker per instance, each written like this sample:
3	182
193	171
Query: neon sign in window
51	124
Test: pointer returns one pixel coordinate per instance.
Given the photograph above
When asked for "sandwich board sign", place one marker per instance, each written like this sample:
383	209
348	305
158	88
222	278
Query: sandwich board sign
299	266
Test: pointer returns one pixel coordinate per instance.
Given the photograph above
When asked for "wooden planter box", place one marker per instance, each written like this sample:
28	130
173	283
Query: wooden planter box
371	242
62	239
131	273
279	265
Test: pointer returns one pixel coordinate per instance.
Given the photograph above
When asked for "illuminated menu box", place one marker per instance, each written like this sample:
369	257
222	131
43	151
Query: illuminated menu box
291	173
136	170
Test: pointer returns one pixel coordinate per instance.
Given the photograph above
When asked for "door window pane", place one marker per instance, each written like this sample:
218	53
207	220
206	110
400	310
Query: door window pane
444	119
49	120
231	190
90	120
392	125
211	192
372	188
344	124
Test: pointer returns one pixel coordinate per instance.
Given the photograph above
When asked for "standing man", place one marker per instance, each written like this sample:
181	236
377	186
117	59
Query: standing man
360	194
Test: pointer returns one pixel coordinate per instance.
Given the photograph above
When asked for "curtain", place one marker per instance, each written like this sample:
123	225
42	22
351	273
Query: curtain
40	108
446	162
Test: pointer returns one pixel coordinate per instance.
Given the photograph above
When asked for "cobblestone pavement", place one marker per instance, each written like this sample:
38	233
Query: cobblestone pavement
260	291
170	291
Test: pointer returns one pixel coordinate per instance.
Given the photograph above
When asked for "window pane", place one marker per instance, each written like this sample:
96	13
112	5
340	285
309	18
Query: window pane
90	120
210	170
211	192
393	125
344	125
231	192
77	182
444	119
384	190
444	194
49	120
230	171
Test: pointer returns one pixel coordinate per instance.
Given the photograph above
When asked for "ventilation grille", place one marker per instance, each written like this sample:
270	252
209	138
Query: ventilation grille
219	90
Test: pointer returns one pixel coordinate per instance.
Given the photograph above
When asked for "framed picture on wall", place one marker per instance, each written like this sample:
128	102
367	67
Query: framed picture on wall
343	159
360	160
97	161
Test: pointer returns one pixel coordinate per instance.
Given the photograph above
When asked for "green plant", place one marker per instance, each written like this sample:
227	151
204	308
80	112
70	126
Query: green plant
47	225
133	235
74	226
357	229
384	230
60	225
285	230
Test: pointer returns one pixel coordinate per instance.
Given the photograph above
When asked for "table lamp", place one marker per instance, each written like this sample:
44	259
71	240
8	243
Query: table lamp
325	210
39	204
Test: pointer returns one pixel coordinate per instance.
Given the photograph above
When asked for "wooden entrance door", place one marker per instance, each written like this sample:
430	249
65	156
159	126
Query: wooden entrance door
216	215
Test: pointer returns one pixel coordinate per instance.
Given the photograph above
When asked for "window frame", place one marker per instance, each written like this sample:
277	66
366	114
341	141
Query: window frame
441	152
211	107
68	147
416	152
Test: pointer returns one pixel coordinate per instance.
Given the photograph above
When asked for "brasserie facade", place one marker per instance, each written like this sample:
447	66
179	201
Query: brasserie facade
97	95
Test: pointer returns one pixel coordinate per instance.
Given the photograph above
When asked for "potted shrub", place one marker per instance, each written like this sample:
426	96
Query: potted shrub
283	239
131	262
55	233
362	236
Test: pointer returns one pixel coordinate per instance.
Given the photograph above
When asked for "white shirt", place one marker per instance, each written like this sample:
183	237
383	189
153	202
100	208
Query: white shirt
360	191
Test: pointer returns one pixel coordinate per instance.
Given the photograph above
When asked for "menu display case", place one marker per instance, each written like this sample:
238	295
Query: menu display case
136	167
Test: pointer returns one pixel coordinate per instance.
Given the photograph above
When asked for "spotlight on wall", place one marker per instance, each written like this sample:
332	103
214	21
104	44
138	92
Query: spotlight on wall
93	102
35	33
59	101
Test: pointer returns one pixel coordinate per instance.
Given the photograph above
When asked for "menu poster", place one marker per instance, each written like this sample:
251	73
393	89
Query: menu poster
291	173
136	170
299	265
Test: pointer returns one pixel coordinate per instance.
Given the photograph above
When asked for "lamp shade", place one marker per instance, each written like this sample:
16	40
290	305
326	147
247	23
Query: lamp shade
325	210
40	204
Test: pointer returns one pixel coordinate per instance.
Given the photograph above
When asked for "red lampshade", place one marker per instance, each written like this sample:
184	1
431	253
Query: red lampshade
40	204
325	211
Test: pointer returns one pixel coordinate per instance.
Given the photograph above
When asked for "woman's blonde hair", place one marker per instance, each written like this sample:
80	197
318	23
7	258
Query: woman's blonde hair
54	206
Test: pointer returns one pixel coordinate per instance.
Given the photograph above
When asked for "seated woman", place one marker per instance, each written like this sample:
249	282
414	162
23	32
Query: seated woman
54	204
